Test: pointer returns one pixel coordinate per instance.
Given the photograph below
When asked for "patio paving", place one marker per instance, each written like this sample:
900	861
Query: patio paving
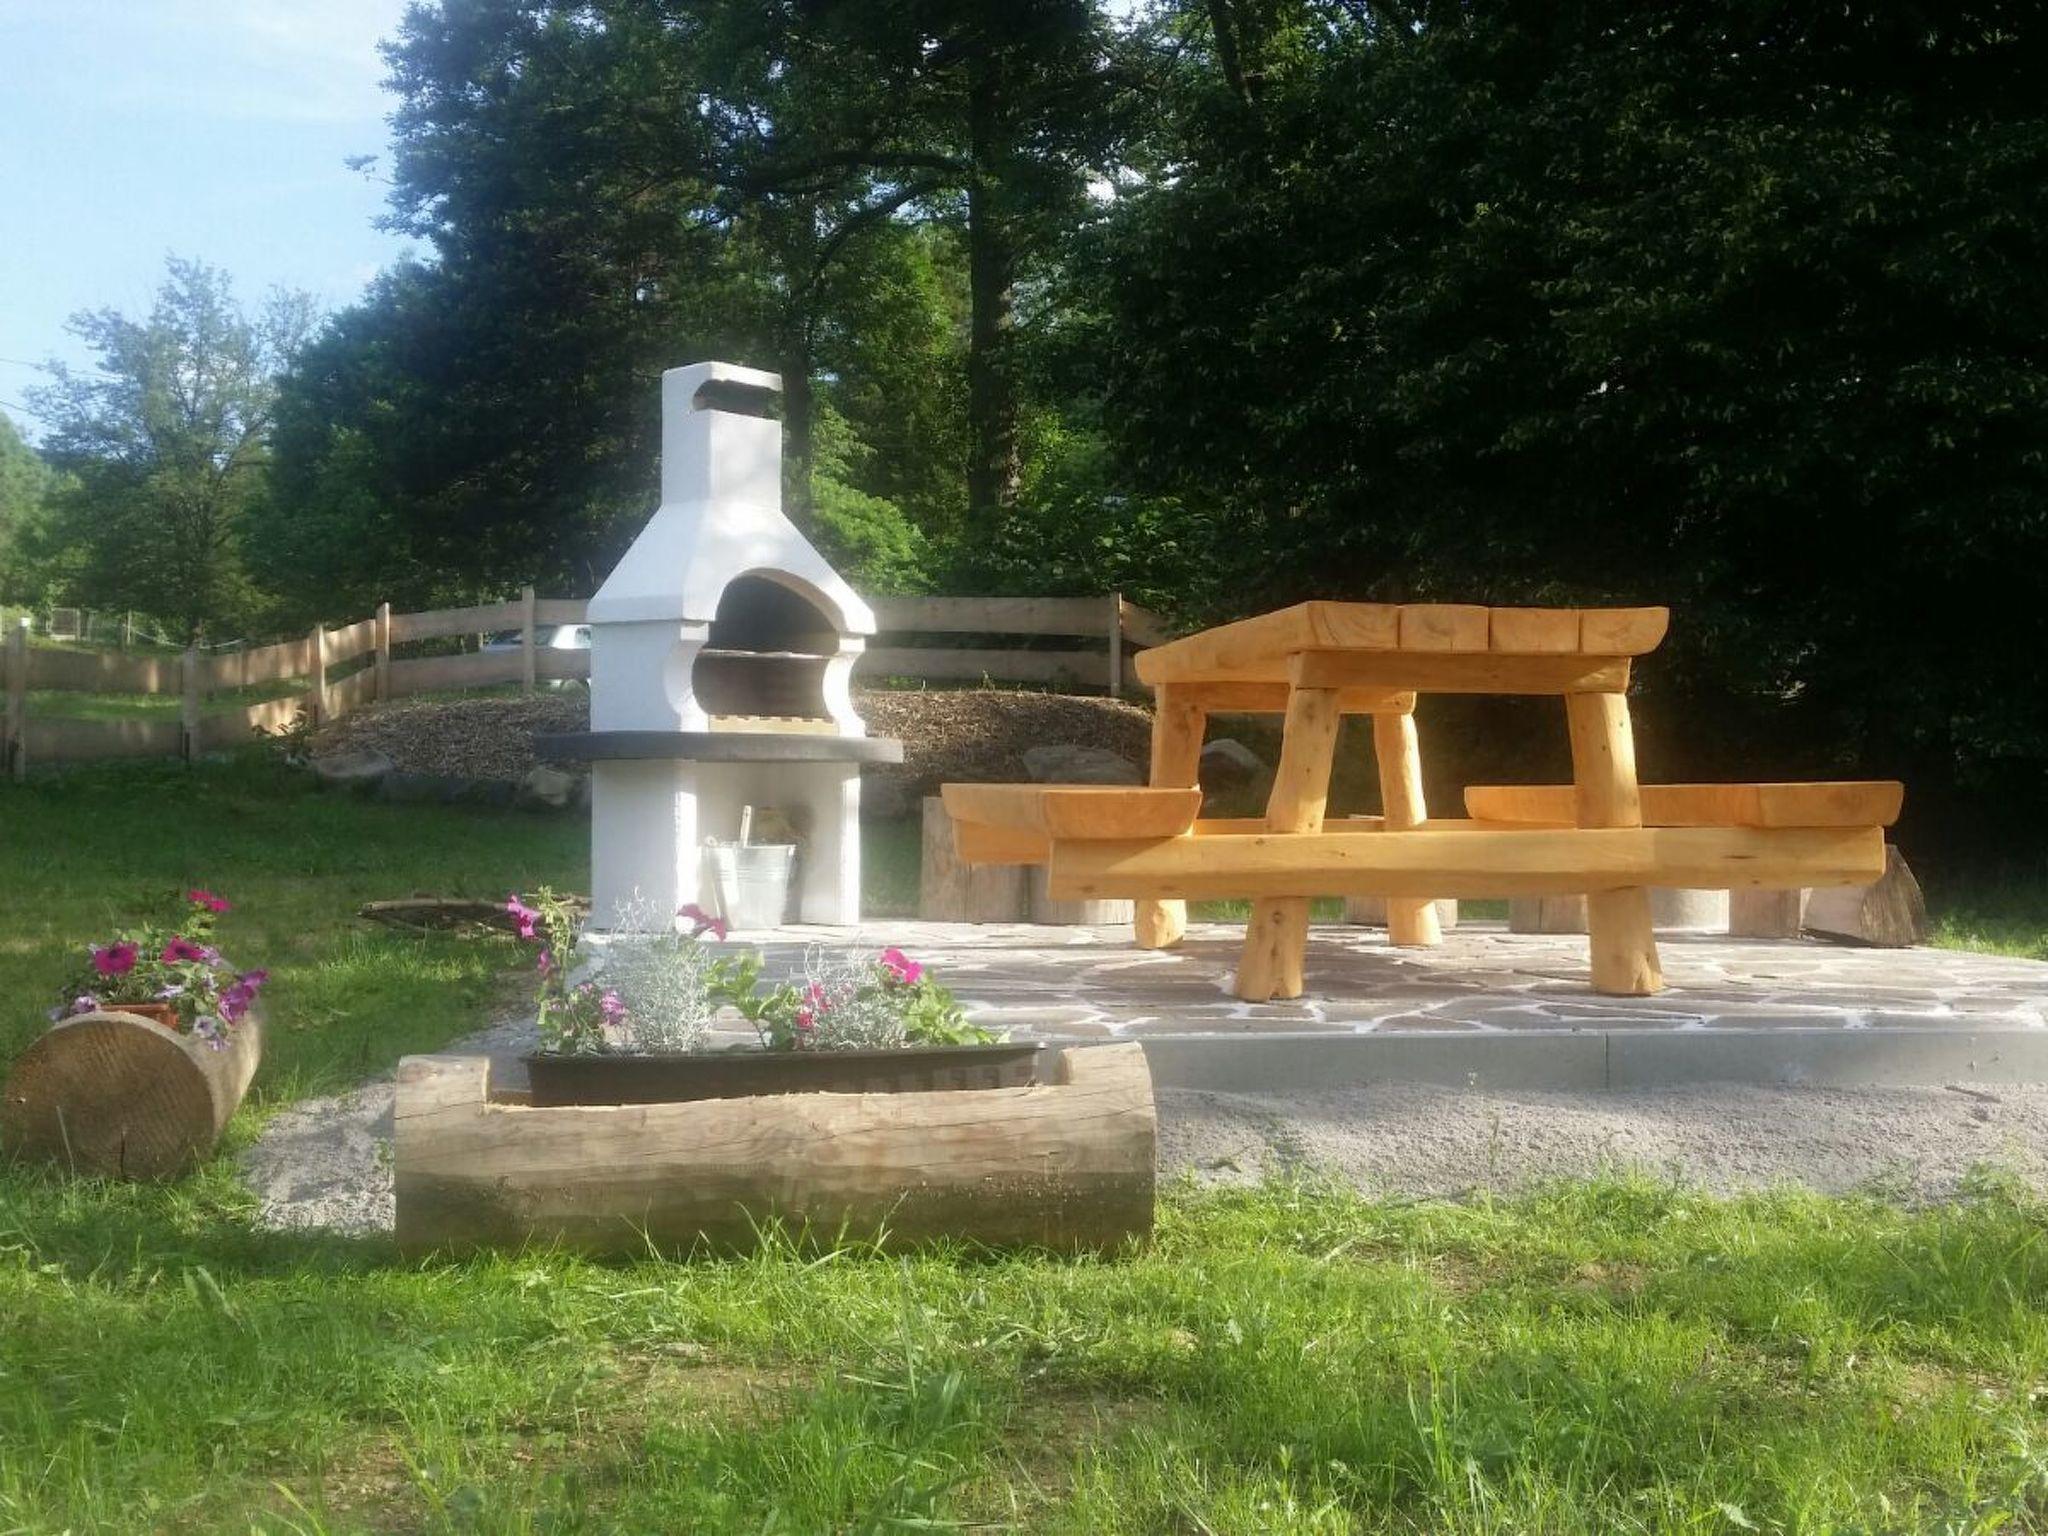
1090	983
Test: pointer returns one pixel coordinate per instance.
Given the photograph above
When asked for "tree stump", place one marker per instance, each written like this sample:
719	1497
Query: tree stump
952	892
1065	1165
1371	911
114	1095
1889	913
1766	914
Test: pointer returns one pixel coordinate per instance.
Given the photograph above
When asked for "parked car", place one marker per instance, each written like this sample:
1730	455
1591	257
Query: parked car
546	637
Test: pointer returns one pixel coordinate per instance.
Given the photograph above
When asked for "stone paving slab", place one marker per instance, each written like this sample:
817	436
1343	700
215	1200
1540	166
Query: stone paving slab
1084	983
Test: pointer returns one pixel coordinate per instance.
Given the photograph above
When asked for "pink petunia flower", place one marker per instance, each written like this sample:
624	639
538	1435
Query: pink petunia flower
208	900
181	948
522	914
899	965
702	922
545	963
612	1006
114	960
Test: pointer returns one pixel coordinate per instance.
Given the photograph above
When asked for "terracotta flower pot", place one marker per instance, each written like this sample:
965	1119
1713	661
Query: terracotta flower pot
163	1015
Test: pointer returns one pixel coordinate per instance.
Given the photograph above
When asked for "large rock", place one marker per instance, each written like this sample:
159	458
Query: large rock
1070	763
357	769
547	788
1228	764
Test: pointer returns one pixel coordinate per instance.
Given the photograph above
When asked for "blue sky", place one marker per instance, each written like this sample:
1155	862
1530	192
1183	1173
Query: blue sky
214	129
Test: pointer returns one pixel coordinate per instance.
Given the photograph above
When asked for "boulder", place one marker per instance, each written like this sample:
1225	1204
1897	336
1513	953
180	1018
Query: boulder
1069	763
358	769
1229	764
547	788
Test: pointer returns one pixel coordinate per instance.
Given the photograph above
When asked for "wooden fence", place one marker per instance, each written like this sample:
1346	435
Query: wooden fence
1078	642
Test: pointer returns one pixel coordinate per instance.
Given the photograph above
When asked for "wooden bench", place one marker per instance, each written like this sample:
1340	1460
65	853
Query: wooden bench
1603	835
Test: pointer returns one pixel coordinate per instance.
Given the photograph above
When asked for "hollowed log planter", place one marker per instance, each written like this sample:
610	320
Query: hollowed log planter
115	1095
742	1074
1065	1165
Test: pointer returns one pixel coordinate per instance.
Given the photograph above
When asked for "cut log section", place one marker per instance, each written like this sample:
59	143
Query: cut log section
1066	1166
964	881
116	1096
1888	913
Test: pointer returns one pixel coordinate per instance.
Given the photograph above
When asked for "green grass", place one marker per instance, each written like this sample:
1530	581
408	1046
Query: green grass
1611	1356
96	848
153	706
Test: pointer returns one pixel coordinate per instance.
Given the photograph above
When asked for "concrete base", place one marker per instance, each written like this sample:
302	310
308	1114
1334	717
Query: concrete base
1494	1008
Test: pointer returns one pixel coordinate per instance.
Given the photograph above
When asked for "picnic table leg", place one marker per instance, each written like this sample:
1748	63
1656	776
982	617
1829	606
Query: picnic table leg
1277	935
1177	727
1604	772
1411	920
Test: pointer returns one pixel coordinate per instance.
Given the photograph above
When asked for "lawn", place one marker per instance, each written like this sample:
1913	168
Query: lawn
1594	1357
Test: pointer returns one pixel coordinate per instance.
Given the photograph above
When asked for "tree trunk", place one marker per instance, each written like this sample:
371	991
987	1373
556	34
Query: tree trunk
799	403
992	468
1065	1165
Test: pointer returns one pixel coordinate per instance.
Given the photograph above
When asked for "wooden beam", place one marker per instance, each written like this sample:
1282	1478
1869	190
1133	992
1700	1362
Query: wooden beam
1622	631
1179	722
1534	631
1227	698
1276	937
1559	862
1411	920
1462	672
1443	627
1618	923
1847	803
977	843
1258	647
1075	810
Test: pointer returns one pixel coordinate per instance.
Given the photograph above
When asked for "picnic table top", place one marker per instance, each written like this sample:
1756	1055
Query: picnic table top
1262	649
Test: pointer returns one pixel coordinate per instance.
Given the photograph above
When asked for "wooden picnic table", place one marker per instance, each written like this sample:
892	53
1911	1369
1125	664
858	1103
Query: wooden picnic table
1603	835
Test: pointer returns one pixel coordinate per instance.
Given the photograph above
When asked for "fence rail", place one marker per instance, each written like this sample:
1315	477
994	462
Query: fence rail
340	670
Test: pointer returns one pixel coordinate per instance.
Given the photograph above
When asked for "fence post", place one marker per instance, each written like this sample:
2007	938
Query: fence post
188	709
1116	645
14	742
383	651
526	639
316	674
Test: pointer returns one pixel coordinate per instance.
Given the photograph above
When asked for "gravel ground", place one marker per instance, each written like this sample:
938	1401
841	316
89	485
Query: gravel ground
326	1163
974	734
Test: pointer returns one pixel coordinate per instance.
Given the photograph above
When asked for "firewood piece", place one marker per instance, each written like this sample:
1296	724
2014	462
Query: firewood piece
1066	1166
117	1096
953	890
1888	913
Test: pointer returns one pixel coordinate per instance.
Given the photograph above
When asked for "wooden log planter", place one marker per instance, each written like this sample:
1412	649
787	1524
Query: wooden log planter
1065	1165
115	1095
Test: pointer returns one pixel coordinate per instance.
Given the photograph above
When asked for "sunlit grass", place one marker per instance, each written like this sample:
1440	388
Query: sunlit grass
1620	1355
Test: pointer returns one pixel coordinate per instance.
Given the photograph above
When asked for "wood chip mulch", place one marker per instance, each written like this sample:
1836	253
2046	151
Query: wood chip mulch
970	734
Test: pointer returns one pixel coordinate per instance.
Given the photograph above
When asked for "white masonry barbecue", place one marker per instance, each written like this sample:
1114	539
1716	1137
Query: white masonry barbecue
721	653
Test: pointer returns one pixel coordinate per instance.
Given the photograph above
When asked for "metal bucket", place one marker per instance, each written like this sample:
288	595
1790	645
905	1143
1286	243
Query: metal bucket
750	882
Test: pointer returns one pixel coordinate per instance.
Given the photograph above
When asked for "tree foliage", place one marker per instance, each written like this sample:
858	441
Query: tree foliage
165	442
1731	306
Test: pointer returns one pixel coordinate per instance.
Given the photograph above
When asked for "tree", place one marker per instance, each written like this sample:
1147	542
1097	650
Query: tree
165	440
26	486
1727	305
